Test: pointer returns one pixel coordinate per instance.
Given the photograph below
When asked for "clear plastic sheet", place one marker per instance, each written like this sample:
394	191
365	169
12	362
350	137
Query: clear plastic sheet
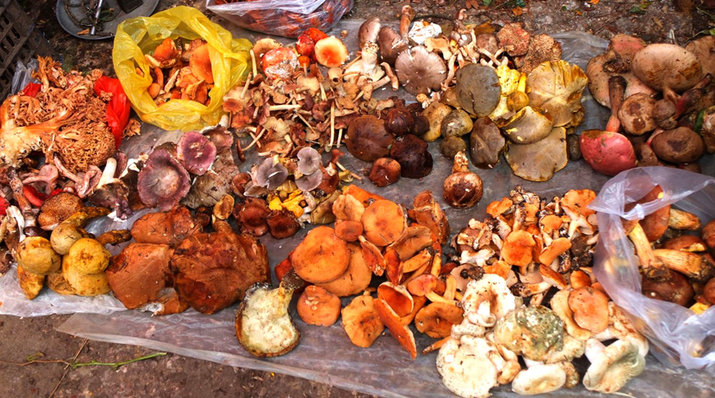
385	368
675	331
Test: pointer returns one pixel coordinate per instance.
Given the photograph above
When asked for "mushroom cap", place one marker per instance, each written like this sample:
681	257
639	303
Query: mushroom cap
163	181
636	114
309	160
391	44
436	319
539	379
270	174
420	70
57	209
532	331
556	87
368	31
309	182
478	89
539	161
612	366
195	152
590	308
459	363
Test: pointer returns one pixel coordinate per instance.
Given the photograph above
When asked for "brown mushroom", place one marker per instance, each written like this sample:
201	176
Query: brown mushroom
636	114
485	143
478	89
367	138
419	70
57	209
413	155
680	145
385	171
436	319
675	288
282	224
462	188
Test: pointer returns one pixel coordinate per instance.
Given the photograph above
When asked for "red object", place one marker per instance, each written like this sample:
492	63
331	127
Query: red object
31	89
3	206
315	34
118	107
283	268
33	196
305	45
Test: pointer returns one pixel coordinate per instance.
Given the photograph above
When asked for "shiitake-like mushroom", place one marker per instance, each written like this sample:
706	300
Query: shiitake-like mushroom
412	154
367	139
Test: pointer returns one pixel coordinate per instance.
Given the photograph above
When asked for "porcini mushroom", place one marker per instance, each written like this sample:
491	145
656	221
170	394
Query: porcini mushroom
462	188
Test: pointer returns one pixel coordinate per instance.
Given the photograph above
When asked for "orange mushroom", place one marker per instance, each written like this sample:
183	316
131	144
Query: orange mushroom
317	306
321	257
200	64
590	308
361	321
383	222
436	319
397	297
402	333
517	248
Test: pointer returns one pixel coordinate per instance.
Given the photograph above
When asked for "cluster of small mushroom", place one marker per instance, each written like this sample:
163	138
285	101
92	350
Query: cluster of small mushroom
661	98
509	263
675	265
370	238
513	84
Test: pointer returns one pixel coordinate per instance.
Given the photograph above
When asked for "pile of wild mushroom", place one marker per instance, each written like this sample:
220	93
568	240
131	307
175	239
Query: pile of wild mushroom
490	86
676	266
662	104
508	264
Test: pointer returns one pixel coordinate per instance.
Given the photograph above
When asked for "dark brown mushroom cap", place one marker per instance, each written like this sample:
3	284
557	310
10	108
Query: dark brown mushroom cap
412	154
57	209
367	139
163	181
195	152
391	44
420	70
368	31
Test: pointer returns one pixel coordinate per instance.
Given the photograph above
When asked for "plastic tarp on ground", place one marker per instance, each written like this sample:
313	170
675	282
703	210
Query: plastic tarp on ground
326	354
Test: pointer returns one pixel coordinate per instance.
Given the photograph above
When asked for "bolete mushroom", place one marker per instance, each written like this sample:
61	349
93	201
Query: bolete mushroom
485	143
462	188
385	171
636	114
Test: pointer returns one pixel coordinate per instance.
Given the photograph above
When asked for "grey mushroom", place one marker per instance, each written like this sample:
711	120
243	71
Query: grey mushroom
269	174
309	160
420	70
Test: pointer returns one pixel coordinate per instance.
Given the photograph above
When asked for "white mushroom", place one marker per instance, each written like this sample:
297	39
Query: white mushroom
611	366
620	327
466	367
492	290
539	378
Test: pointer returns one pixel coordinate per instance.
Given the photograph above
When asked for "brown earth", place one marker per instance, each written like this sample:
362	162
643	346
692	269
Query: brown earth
35	340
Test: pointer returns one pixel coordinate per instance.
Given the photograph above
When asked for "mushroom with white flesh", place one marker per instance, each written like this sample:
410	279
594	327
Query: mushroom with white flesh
540	378
607	151
486	300
465	366
555	87
263	324
419	70
611	366
532	331
650	266
620	327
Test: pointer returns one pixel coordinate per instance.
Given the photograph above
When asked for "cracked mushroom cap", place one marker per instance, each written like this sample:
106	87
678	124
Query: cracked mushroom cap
459	361
539	378
556	87
420	70
612	366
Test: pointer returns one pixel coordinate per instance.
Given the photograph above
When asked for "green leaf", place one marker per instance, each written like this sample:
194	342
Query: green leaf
637	10
520	3
487	2
34	357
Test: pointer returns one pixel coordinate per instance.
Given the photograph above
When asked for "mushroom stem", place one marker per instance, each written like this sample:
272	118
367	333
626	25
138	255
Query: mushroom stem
408	13
616	88
108	173
651	266
594	350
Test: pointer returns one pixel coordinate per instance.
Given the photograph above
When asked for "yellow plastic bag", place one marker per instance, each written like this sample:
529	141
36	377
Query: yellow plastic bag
230	61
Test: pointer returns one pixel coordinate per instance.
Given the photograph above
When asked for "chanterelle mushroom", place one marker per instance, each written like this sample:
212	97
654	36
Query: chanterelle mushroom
420	70
611	366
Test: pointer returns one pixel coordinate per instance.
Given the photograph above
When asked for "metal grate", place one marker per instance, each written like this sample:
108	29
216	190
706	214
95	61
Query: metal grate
19	41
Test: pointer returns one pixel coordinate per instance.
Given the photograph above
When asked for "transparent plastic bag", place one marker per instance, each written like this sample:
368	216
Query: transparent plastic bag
676	333
283	18
138	36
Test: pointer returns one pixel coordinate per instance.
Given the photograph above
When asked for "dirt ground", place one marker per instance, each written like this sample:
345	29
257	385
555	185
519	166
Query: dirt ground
34	357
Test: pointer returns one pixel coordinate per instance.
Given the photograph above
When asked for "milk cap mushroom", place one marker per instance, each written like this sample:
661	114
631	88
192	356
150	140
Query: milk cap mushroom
460	360
539	378
590	308
611	366
419	70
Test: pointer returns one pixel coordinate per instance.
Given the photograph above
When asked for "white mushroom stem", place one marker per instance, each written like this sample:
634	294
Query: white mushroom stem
636	340
14	212
395	83
108	173
253	65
